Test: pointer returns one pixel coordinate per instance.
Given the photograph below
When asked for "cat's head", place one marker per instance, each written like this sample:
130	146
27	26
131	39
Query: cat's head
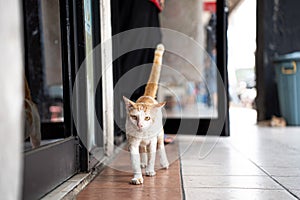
143	114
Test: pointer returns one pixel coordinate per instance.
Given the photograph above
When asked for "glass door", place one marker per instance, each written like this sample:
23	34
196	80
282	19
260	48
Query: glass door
60	37
43	74
194	76
50	148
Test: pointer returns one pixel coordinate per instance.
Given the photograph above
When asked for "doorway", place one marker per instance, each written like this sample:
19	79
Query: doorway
195	84
241	62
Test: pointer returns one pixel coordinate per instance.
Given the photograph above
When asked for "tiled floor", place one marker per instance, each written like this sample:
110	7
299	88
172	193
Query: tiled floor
227	172
253	163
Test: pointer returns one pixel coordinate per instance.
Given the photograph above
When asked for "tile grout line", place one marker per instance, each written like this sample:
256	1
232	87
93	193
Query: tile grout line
236	188
265	172
218	175
181	174
275	180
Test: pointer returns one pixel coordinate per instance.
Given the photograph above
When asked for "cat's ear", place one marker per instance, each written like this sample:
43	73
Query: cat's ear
128	103
160	105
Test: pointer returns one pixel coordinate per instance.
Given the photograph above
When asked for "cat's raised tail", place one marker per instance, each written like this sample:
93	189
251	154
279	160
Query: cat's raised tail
152	84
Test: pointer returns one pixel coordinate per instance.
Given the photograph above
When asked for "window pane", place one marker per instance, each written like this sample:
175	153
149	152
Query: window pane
43	69
189	94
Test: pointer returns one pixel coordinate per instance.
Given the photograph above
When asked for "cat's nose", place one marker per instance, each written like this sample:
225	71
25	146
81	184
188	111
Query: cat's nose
140	125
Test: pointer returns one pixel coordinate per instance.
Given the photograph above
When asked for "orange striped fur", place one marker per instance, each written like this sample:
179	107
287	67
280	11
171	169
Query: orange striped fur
152	85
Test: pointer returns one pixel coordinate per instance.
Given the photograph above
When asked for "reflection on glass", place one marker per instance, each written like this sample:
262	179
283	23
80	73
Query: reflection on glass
53	102
48	92
190	91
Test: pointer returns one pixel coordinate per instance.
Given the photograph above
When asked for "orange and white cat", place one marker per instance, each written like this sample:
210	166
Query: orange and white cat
31	118
144	128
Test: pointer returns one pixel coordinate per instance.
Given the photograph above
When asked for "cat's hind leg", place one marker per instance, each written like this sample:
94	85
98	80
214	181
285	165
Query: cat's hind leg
144	157
151	157
162	152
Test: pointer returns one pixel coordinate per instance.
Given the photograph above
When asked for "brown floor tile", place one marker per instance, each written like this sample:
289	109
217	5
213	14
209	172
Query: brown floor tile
131	194
113	183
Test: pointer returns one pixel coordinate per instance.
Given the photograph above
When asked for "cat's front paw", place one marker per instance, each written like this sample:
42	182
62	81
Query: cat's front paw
137	181
150	173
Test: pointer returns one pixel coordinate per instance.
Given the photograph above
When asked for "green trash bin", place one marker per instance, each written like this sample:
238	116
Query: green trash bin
288	85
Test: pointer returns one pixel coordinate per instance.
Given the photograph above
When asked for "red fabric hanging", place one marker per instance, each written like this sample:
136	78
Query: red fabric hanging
158	4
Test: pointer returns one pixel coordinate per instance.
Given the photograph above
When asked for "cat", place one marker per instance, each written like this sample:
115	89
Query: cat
31	118
277	122
144	128
273	122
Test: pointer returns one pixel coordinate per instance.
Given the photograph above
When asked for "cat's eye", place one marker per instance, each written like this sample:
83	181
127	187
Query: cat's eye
147	118
133	117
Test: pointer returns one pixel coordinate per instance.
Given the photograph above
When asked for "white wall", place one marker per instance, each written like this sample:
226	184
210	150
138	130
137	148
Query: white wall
11	95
